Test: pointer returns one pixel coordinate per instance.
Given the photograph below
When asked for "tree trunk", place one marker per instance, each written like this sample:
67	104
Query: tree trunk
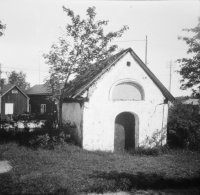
60	114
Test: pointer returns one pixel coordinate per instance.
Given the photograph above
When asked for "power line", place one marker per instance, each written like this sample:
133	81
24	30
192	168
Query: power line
129	41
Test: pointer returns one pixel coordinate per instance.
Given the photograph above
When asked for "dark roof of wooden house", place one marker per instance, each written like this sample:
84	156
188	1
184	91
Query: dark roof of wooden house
82	83
6	88
38	90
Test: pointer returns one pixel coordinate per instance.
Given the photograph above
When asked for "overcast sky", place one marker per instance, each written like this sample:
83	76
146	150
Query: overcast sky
33	25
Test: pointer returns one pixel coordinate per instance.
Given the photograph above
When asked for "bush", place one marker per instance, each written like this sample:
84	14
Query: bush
41	141
46	137
68	130
9	122
47	141
184	126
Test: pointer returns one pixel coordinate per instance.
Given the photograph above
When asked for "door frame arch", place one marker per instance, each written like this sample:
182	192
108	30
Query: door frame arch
136	136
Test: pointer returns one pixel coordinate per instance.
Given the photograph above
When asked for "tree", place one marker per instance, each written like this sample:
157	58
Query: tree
184	126
190	67
19	79
3	81
82	44
2	28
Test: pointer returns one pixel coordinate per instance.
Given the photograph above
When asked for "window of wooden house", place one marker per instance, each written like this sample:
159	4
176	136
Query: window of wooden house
14	91
43	108
127	91
9	108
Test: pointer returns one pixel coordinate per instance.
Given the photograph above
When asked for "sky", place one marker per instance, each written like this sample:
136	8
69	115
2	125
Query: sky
32	26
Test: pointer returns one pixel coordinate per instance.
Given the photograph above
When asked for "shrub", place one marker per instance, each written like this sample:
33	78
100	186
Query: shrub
69	132
46	137
6	122
51	122
41	141
184	126
46	141
10	121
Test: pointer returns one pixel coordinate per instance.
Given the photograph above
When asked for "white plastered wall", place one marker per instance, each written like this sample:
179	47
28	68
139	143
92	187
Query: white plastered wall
100	112
73	112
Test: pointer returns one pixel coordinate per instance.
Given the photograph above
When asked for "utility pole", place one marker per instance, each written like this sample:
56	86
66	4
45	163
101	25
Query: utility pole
138	40
170	66
39	66
146	52
170	76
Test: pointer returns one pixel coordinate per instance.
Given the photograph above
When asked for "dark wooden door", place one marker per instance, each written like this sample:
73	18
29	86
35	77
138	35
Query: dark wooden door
119	143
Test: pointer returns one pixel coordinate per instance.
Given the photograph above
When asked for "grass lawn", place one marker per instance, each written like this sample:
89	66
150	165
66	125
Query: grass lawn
72	170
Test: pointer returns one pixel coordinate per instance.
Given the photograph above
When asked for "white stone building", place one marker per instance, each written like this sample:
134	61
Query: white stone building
119	105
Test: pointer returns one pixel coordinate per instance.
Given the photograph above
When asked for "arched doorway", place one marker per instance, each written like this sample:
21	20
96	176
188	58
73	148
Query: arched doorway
125	131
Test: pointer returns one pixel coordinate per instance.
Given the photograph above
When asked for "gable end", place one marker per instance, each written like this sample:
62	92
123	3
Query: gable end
83	83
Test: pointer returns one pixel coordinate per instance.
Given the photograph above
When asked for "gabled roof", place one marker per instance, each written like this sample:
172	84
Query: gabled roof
38	90
8	87
82	83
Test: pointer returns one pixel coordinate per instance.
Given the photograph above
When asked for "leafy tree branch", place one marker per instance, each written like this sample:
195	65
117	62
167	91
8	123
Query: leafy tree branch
190	67
2	28
19	79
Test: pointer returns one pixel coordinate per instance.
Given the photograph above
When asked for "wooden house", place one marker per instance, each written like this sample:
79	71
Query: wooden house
40	100
13	100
